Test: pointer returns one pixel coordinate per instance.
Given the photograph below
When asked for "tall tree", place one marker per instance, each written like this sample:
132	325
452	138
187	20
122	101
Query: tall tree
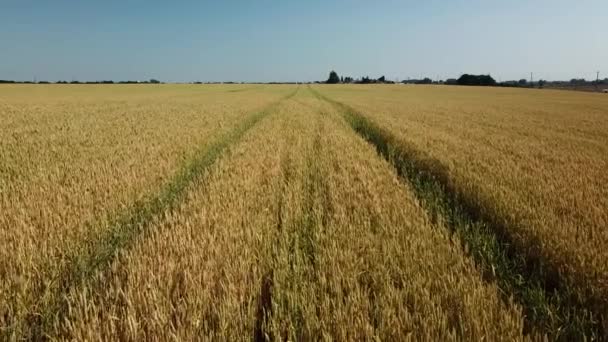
333	78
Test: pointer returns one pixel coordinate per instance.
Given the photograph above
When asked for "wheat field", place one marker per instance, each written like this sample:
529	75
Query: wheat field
532	162
295	212
74	158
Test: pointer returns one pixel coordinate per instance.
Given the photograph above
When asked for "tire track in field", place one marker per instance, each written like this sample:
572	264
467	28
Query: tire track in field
264	302
303	209
304	235
263	321
98	251
244	89
550	305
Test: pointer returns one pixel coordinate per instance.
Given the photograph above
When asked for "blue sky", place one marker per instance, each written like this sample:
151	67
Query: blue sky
300	41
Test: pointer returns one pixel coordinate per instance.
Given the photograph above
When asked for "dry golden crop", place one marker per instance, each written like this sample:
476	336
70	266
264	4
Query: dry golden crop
302	232
190	212
74	157
533	161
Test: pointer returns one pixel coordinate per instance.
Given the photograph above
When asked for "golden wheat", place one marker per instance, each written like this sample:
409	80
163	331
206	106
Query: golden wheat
300	232
75	156
534	161
239	212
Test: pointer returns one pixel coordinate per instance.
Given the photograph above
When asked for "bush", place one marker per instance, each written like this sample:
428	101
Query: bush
476	80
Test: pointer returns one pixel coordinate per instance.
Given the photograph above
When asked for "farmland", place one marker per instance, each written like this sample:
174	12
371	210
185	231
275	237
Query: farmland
302	212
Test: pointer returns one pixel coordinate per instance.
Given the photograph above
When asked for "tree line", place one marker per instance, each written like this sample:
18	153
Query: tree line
467	80
334	79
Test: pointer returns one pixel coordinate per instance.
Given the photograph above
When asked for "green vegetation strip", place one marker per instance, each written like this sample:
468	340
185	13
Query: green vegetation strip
244	89
551	307
99	251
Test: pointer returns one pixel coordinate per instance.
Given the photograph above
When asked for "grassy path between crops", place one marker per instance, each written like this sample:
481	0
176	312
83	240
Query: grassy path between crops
551	306
99	251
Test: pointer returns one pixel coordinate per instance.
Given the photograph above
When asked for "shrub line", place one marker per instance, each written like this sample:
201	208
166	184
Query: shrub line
552	307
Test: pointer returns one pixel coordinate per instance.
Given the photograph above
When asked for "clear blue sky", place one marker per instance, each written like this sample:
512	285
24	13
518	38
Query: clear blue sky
302	40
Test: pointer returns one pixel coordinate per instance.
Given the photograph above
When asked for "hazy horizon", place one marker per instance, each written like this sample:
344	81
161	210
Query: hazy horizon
276	41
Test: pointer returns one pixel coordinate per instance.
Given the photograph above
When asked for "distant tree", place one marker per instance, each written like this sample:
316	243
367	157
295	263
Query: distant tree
382	79
476	80
509	84
154	81
365	80
541	83
333	78
578	81
523	82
